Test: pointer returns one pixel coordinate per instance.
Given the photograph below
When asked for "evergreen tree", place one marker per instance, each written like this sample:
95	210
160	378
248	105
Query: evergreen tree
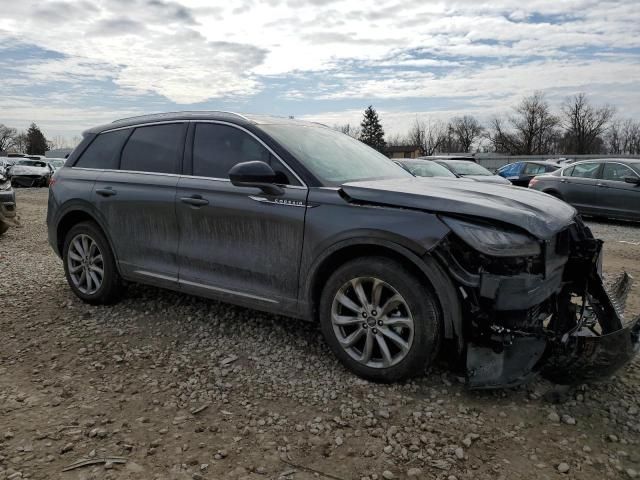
36	141
371	130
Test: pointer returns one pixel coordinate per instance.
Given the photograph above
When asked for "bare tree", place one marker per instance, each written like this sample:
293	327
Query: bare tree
348	129
614	138
20	142
467	130
531	130
630	137
584	124
7	137
428	135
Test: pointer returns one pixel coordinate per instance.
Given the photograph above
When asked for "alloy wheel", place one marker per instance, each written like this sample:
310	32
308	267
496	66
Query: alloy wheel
372	322
85	264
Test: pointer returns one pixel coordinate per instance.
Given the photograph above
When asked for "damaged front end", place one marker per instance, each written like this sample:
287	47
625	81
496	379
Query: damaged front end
545	311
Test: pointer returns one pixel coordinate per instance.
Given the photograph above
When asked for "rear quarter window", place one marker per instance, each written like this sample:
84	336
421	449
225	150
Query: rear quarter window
104	151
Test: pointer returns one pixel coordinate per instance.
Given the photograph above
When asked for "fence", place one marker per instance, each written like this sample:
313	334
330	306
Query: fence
496	161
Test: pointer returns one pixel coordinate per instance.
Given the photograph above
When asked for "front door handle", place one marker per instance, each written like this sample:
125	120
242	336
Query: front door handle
602	185
106	192
195	200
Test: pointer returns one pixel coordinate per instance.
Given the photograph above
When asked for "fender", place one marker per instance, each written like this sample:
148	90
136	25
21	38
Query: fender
442	284
78	205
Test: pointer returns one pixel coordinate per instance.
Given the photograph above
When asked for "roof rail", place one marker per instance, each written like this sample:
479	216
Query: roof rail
184	111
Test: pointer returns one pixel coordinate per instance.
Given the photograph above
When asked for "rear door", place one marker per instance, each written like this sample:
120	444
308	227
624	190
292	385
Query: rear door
578	186
616	197
237	241
136	201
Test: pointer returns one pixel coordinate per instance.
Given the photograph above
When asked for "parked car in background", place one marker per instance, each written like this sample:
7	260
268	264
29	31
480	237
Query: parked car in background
471	170
602	187
425	168
295	218
521	173
30	173
7	204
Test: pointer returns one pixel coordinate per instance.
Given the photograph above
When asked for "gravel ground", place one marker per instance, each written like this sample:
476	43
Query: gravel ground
184	388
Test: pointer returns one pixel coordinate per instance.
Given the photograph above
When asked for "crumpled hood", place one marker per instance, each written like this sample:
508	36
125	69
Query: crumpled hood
29	170
538	213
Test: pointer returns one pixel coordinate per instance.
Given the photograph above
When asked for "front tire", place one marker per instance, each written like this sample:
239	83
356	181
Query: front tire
89	265
380	319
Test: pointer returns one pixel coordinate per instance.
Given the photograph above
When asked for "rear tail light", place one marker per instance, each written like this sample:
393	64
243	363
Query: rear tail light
533	181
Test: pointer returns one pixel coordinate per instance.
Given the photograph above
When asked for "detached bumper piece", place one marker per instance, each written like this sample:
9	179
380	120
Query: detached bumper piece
577	334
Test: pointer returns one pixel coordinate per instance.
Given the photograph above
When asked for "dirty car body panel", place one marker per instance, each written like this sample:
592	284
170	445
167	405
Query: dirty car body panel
516	272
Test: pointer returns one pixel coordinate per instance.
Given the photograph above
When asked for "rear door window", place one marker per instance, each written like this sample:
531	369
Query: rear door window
156	149
217	148
533	169
616	172
585	170
104	151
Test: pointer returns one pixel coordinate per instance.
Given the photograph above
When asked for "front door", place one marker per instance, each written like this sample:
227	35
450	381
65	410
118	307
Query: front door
578	186
615	196
237	241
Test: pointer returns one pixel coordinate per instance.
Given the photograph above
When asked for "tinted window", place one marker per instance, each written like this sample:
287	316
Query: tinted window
584	170
104	151
616	172
534	169
217	148
154	149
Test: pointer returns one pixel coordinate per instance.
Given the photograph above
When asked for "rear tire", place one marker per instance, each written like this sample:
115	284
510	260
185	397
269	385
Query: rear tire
380	319
89	265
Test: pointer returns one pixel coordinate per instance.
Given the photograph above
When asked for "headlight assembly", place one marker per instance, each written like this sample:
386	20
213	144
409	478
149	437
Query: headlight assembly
494	241
4	183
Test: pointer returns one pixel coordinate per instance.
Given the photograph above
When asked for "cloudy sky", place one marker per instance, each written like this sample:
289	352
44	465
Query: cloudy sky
68	65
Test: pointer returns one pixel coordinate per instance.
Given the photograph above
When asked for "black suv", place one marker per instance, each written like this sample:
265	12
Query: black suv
294	218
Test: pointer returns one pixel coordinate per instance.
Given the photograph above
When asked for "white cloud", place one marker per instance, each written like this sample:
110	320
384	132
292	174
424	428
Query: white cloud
191	51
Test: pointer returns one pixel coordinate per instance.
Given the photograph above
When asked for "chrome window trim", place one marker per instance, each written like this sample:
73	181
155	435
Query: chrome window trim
255	137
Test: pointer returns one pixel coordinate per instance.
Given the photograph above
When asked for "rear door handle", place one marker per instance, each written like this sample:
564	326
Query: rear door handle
106	192
195	200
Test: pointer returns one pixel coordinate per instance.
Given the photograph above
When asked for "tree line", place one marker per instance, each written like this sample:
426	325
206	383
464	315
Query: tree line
32	141
530	128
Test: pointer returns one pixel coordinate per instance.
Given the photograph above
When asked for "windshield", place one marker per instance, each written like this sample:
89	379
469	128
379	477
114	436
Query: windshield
428	169
333	157
463	167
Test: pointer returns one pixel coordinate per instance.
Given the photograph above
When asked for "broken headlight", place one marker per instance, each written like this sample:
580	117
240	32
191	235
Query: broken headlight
494	241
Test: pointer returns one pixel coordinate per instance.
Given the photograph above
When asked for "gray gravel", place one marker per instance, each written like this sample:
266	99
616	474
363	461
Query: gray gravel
182	388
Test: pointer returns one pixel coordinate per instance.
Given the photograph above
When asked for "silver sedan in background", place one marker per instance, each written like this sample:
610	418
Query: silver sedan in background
600	187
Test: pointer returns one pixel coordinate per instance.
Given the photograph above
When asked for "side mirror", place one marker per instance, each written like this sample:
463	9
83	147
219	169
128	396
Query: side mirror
635	180
255	174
